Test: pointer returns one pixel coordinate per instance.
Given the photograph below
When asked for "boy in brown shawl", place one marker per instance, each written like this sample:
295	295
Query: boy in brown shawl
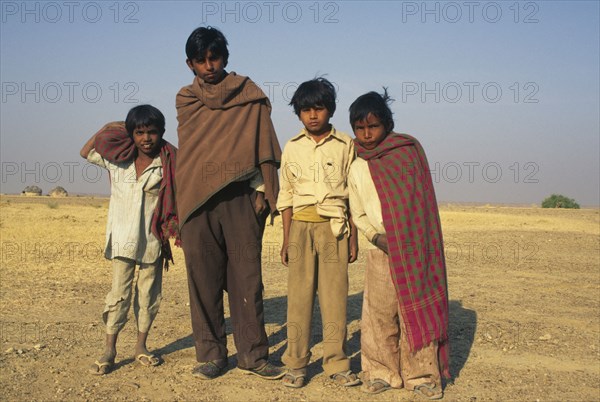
227	183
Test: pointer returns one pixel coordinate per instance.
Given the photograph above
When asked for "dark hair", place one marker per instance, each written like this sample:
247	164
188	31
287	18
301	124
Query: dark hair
206	39
376	104
316	92
144	116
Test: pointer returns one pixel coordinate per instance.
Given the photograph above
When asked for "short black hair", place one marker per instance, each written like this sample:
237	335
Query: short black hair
206	39
144	116
316	92
376	104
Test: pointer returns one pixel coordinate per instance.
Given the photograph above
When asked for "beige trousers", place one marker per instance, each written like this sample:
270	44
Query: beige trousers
385	353
318	263
148	294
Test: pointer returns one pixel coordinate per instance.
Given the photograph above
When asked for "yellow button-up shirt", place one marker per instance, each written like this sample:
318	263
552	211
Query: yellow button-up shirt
316	174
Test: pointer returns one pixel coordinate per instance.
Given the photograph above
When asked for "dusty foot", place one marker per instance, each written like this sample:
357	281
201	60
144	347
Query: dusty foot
104	364
146	358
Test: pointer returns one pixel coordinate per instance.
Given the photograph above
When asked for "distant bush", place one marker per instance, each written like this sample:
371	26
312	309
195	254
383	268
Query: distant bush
559	201
52	205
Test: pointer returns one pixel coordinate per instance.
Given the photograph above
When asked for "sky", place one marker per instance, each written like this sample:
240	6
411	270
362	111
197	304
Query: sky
504	95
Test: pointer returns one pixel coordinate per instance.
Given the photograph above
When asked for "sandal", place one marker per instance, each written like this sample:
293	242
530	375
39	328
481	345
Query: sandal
375	386
101	368
346	378
207	370
427	391
147	359
267	371
294	378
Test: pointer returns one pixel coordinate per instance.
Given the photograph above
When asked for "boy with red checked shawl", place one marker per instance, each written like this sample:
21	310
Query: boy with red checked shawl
404	326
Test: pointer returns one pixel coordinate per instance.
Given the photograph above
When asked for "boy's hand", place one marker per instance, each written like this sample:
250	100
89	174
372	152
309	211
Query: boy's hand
352	241
353	247
284	254
286	220
259	204
381	242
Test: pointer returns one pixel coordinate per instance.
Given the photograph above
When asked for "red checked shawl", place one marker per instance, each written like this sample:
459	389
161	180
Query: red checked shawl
411	219
113	143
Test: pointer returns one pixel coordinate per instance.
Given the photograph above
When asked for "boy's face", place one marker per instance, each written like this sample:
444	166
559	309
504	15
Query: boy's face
147	139
369	132
210	68
315	120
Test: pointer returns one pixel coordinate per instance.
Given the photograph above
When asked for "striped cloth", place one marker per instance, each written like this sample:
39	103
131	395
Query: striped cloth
113	143
411	219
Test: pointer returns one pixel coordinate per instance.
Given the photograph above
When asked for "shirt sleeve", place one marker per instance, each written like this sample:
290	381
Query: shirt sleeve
351	156
95	158
285	199
257	182
359	216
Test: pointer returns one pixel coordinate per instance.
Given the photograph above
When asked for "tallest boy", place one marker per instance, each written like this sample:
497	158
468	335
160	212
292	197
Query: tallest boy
227	183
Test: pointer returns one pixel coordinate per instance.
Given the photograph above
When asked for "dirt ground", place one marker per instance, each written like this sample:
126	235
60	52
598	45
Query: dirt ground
524	289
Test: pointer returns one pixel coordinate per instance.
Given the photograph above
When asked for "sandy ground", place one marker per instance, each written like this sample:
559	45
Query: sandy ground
524	311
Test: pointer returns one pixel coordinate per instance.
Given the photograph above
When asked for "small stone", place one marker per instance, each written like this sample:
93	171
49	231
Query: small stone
20	351
546	337
9	350
39	346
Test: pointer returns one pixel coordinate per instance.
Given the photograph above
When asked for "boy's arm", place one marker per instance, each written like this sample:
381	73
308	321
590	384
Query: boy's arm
87	147
285	202
286	217
357	210
258	184
352	240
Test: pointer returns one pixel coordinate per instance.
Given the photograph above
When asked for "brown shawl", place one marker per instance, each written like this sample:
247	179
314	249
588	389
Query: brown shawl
225	131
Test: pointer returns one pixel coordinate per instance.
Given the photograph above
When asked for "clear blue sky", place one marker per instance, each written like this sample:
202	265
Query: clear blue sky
504	96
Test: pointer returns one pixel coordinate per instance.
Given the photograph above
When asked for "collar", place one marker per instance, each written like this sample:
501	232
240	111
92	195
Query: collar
304	134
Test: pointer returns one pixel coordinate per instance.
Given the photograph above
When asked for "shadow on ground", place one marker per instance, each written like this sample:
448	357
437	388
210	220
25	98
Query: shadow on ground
463	323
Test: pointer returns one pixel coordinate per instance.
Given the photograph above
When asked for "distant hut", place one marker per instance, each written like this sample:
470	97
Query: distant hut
32	191
58	192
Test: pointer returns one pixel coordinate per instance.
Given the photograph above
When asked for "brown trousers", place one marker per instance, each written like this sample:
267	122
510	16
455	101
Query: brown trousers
222	246
318	262
385	353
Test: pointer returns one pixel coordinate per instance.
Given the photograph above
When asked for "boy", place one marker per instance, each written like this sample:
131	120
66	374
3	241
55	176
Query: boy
227	184
404	322
141	218
313	204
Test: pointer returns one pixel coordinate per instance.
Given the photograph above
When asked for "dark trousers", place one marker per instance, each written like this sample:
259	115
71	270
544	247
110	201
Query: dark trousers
222	246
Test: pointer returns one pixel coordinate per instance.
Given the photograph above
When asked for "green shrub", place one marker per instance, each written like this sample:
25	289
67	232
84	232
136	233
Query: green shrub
559	201
52	205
